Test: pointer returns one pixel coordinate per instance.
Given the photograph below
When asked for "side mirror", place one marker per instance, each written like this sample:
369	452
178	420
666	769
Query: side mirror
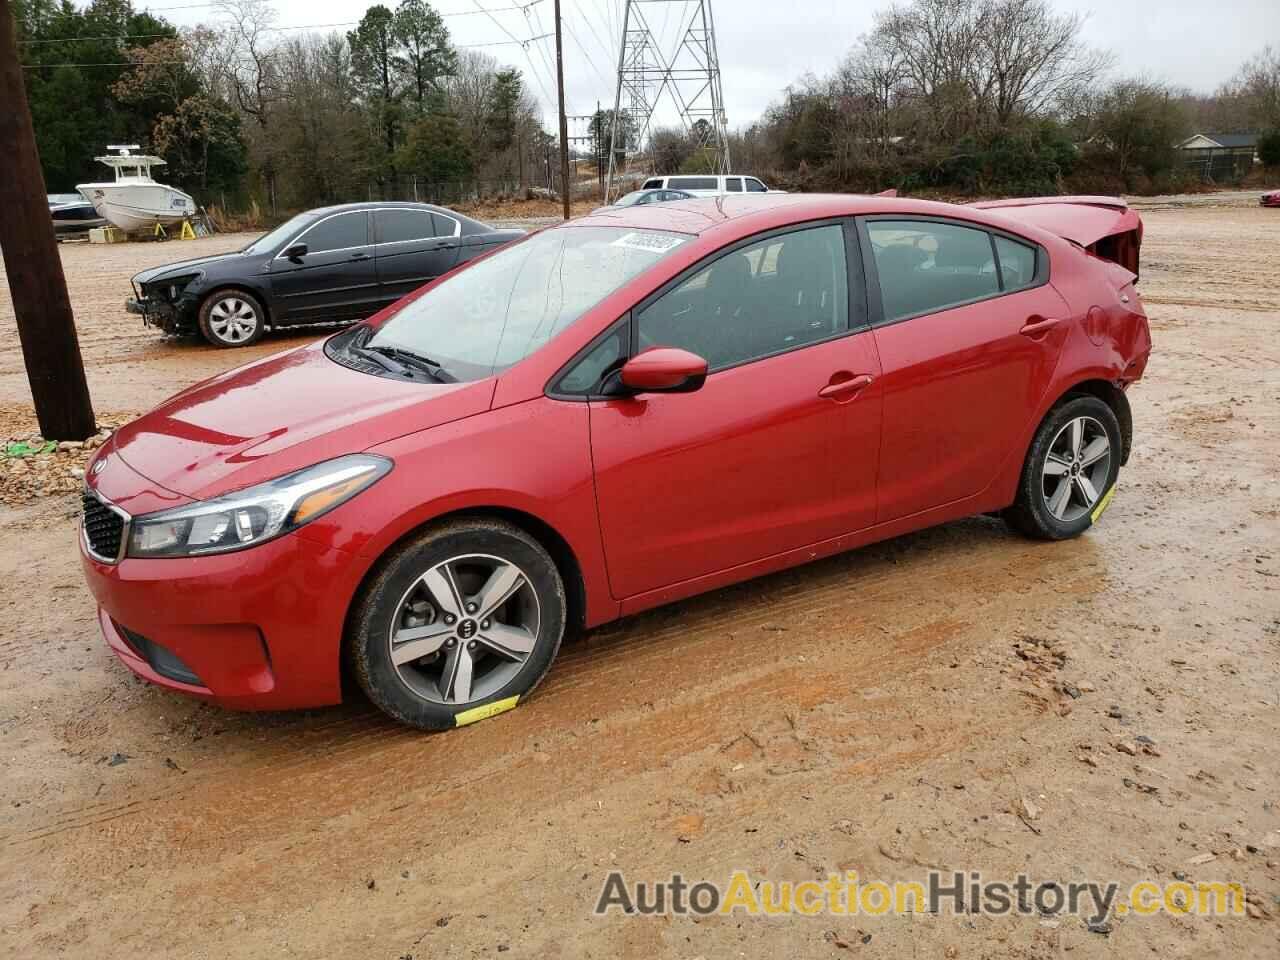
296	252
663	370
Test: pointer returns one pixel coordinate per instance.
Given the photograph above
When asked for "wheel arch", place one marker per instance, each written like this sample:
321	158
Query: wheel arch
1112	396
551	540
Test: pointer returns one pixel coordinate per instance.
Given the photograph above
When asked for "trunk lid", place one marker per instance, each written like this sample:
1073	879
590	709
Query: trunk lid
1105	226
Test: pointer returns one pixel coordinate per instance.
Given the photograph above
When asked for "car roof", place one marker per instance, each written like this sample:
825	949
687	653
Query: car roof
704	214
383	205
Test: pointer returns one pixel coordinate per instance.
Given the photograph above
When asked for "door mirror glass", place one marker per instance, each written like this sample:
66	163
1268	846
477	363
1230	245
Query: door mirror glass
296	252
664	370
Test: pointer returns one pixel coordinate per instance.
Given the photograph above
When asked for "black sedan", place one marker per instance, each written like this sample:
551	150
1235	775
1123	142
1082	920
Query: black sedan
639	198
333	264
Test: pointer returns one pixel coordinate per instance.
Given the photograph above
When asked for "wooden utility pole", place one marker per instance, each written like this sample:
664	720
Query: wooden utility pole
566	189
31	262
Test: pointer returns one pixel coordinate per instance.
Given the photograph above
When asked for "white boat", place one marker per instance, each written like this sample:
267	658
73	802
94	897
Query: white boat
134	201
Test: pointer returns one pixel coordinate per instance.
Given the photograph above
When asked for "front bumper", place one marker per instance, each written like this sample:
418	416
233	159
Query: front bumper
258	629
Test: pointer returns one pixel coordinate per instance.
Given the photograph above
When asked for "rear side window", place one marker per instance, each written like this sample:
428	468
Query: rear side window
397	226
338	233
652	184
733	184
694	183
926	267
1017	263
755	186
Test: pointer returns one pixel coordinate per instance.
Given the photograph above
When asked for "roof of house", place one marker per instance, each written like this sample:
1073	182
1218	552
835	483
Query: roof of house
1228	140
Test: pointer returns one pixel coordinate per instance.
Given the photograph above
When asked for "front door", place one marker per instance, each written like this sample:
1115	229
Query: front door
413	247
335	279
779	447
969	336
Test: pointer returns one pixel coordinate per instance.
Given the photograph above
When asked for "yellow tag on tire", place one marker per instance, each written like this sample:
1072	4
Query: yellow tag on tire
486	711
1102	504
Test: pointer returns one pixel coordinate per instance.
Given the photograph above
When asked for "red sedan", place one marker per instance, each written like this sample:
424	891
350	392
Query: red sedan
1271	199
631	408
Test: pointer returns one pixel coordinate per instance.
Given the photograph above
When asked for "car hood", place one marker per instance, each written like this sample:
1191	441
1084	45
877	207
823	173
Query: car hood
185	267
280	414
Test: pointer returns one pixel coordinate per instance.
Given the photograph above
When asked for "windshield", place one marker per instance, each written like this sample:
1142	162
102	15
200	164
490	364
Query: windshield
269	241
630	198
498	311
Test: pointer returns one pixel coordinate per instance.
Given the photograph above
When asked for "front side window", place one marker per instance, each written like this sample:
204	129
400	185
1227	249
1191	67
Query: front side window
925	267
755	186
499	310
585	376
652	184
338	233
780	293
398	226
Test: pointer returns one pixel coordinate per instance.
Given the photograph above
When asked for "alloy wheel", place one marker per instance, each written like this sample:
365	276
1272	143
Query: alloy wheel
1076	468
464	629
233	319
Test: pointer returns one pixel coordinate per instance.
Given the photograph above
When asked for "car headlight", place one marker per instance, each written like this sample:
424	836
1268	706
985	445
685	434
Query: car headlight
254	515
172	287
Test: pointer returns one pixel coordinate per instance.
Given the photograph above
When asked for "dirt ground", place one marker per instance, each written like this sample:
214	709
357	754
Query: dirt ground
886	711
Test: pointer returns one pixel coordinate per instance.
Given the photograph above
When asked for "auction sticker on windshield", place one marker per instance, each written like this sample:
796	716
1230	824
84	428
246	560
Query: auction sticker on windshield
649	242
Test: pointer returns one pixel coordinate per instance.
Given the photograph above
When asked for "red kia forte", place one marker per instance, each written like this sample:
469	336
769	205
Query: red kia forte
612	414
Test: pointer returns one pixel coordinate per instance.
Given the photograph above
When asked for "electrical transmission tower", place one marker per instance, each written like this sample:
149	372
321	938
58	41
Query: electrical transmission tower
690	74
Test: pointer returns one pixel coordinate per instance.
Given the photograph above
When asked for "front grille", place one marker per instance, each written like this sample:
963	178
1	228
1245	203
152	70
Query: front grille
103	528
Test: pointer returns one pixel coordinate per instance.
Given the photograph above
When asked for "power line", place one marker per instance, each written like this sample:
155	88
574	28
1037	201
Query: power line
178	63
303	26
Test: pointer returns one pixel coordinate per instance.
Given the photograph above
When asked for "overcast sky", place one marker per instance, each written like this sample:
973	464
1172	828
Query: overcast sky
766	44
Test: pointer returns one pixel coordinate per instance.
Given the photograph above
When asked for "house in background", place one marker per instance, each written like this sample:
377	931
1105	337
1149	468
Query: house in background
1220	156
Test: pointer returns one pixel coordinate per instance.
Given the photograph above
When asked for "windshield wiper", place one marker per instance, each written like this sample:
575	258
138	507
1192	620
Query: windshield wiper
387	363
412	359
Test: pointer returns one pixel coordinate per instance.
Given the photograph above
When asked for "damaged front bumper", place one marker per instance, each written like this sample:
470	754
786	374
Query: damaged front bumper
171	316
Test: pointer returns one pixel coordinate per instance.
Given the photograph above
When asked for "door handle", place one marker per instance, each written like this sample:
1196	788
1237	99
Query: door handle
846	389
1038	326
359	256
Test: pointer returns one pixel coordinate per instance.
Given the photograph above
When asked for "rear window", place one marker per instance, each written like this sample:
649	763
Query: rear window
694	183
733	184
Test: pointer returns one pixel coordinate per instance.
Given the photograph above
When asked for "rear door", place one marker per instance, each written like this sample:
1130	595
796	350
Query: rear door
335	279
968	330
412	247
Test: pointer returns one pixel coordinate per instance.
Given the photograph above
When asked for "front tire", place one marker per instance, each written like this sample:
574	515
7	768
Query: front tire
460	622
1072	464
232	318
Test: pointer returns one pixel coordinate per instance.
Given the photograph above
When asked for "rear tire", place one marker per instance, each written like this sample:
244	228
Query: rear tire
458	623
232	318
1071	466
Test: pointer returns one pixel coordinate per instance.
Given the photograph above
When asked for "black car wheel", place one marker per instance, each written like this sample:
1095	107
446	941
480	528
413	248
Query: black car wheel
458	624
232	318
1069	472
